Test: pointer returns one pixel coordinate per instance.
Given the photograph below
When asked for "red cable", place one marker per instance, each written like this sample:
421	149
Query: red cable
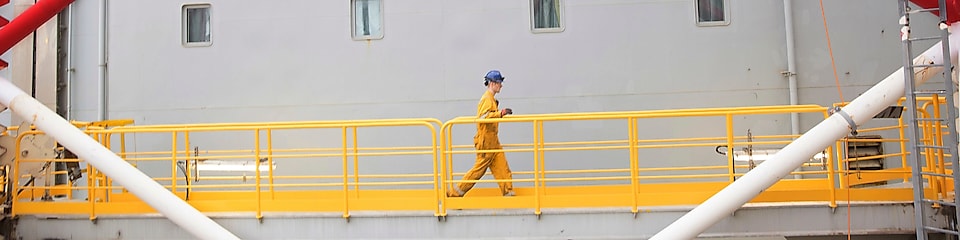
836	78
830	49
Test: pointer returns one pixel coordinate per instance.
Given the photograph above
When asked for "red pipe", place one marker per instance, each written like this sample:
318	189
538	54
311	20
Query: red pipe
29	21
3	22
953	12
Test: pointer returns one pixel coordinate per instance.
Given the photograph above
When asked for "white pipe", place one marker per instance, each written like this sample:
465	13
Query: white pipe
791	65
103	159
825	134
102	63
792	71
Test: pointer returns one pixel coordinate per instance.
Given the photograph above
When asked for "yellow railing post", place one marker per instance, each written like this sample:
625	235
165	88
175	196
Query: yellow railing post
256	170
537	174
91	192
731	166
444	174
186	165
831	169
543	162
634	164
938	141
436	171
107	180
356	164
269	162
16	177
346	181
173	163
123	146
903	142
928	137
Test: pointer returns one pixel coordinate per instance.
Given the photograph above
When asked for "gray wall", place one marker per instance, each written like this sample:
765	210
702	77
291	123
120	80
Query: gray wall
295	60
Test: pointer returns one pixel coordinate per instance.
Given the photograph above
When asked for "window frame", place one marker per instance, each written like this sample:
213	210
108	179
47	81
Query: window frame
560	14
726	15
185	27
353	23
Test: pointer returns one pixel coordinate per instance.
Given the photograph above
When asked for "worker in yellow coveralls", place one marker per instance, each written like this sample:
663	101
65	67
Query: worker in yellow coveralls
487	139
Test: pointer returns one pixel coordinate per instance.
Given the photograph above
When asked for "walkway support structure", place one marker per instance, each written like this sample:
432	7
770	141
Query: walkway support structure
135	181
821	136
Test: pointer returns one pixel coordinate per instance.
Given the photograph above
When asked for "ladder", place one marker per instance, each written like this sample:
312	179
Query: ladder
925	146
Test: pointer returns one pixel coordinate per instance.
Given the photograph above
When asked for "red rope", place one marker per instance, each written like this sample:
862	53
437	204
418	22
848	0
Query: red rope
830	49
836	78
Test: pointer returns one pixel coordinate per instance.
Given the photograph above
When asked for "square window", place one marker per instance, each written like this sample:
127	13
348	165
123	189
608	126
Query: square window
546	15
367	19
713	12
196	25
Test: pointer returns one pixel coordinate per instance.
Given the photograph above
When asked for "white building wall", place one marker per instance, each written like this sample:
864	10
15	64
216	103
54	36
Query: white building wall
295	60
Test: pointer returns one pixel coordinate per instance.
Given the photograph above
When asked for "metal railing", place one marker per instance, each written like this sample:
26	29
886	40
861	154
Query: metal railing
635	193
348	166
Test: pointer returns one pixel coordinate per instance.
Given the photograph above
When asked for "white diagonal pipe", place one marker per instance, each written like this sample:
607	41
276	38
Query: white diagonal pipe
825	134
104	160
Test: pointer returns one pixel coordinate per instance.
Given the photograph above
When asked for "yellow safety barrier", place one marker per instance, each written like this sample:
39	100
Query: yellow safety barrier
261	190
327	166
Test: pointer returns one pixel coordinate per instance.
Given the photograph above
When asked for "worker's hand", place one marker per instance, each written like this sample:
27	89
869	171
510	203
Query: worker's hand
506	111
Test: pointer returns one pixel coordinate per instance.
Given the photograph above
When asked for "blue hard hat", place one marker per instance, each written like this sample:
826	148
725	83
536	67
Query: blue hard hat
493	75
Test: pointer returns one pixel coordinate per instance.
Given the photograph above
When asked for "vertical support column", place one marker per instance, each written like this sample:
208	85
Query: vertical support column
951	140
910	120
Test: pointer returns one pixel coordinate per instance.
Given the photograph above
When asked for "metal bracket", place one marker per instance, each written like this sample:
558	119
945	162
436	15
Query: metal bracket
845	116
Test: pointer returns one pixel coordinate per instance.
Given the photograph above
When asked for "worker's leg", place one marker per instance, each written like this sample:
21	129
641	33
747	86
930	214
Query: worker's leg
483	162
501	171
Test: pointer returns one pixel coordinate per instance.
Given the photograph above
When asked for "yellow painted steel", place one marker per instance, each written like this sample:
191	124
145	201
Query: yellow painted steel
188	158
635	187
941	182
173	162
634	164
730	136
356	162
537	174
346	188
256	170
831	170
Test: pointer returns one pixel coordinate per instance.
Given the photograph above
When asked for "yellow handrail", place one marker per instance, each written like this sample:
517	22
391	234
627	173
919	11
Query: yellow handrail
356	175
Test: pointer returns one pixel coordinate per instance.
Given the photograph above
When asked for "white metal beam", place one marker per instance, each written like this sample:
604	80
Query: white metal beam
825	134
135	181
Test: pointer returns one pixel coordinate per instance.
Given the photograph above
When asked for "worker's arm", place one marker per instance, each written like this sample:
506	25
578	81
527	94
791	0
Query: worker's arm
488	109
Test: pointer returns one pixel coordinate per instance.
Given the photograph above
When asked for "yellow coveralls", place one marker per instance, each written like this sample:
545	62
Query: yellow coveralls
486	139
